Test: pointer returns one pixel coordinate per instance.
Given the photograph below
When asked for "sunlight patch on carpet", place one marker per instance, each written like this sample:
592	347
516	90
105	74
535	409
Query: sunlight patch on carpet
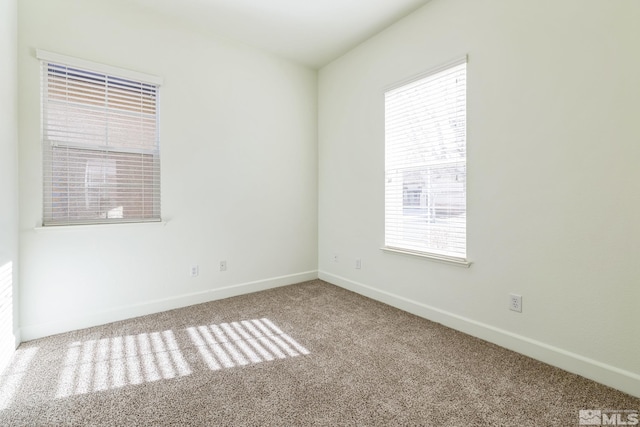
11	378
240	343
115	362
97	365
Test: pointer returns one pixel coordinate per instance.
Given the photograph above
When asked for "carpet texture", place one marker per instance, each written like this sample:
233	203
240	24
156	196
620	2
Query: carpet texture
306	354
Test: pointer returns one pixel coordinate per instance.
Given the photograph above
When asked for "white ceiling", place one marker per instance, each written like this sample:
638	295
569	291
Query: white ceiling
310	32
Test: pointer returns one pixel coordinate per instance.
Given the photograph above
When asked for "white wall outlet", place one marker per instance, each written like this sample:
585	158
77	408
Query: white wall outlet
515	302
334	258
194	271
223	265
358	263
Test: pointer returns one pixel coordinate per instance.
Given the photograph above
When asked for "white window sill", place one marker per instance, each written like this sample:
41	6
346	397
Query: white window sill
98	226
459	262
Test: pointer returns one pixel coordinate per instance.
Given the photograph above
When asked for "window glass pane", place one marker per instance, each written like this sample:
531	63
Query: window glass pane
425	164
101	148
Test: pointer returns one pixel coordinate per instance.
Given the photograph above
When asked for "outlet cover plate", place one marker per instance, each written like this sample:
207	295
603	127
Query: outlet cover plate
515	303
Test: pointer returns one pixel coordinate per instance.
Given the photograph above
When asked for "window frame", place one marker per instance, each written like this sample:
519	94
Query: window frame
391	241
149	156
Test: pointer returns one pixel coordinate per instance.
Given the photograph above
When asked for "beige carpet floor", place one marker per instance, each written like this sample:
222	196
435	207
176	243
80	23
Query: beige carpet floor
306	354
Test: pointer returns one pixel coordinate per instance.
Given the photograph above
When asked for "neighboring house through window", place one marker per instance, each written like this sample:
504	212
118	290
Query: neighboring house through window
101	152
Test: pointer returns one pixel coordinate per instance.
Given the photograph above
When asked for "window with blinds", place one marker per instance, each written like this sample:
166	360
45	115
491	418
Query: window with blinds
101	153
425	164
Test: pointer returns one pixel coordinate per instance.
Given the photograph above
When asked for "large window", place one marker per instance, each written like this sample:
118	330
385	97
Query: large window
101	153
425	164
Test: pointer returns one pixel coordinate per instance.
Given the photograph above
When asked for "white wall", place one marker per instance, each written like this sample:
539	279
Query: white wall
553	177
8	179
239	172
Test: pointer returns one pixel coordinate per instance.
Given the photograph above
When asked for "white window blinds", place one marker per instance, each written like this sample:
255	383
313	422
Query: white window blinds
425	164
101	153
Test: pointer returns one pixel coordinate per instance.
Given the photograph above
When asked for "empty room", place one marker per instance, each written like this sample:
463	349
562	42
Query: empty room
287	213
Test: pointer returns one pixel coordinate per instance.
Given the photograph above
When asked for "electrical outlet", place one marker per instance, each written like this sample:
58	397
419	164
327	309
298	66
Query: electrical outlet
334	258
358	263
515	303
195	271
223	265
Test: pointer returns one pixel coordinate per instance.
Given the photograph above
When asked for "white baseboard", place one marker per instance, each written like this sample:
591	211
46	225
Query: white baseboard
30	332
626	381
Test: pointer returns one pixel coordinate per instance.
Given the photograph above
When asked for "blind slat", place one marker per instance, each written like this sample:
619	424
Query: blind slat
101	150
425	164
